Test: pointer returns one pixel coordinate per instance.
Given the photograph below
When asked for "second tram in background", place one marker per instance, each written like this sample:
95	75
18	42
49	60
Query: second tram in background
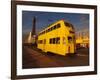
58	38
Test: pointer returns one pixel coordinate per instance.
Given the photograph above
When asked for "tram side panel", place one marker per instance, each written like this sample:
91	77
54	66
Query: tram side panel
59	41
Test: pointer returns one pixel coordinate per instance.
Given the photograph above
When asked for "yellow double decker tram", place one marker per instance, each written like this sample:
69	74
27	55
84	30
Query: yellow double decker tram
58	38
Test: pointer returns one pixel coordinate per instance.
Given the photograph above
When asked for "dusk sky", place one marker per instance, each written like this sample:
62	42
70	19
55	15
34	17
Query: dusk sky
43	19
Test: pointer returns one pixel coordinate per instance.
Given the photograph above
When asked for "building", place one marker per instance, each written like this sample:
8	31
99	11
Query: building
82	38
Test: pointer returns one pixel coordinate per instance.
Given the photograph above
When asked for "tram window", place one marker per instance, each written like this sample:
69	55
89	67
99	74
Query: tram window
67	24
58	25
41	41
58	40
48	29
72	26
43	32
69	39
72	32
54	27
54	40
51	28
50	41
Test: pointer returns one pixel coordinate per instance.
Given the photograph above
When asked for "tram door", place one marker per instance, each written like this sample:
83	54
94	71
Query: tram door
70	44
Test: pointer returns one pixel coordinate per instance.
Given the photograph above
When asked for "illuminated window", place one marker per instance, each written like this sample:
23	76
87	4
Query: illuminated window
58	40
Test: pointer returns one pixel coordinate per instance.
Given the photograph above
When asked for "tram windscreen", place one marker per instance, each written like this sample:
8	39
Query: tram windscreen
68	25
70	39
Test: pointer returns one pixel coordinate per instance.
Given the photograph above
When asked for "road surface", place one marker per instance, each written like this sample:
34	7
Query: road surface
33	58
